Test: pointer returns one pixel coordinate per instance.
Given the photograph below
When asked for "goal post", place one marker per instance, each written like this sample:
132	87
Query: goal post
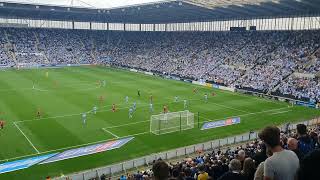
171	122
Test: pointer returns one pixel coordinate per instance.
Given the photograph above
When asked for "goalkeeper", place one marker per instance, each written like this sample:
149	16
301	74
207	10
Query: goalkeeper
151	107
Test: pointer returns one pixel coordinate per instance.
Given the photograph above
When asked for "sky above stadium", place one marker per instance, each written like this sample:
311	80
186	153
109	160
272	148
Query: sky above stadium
87	3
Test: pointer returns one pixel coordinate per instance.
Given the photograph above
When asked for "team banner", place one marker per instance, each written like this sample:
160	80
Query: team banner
87	150
306	104
23	163
221	123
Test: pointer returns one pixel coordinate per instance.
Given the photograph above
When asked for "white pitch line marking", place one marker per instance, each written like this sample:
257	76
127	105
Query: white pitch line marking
110	132
27	138
229	107
138	122
240	115
208	120
75	146
37	89
106	110
280	112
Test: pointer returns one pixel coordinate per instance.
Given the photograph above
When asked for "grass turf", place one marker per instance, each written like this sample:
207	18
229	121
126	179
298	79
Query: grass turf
68	92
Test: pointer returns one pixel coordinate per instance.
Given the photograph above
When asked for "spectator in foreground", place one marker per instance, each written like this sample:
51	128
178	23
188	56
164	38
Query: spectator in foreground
241	156
283	164
203	175
123	177
188	174
293	146
103	177
234	173
248	169
309	169
160	170
261	154
305	142
259	174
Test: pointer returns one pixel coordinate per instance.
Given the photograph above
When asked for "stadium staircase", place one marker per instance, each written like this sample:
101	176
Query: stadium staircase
8	47
93	55
307	64
279	83
39	50
313	58
74	58
93	59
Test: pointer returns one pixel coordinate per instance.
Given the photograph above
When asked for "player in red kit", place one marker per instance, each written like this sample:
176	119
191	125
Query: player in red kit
39	113
2	124
195	90
101	99
113	107
151	99
165	109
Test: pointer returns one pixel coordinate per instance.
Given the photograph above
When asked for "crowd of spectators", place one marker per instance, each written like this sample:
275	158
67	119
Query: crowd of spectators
291	155
4	57
260	61
305	88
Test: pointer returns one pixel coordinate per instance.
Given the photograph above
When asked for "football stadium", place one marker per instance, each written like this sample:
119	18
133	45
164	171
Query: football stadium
174	89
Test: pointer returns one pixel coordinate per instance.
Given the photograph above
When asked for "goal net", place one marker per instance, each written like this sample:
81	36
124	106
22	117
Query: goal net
171	122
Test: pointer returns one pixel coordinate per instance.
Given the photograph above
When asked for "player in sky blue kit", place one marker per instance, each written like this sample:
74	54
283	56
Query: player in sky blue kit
176	98
127	99
206	97
185	104
134	106
94	110
84	118
151	107
104	83
130	113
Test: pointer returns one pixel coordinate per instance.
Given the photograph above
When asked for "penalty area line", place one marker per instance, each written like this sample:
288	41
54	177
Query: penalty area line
241	115
110	132
38	152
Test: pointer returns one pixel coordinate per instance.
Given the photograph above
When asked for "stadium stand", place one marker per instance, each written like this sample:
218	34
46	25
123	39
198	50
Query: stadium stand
257	61
283	63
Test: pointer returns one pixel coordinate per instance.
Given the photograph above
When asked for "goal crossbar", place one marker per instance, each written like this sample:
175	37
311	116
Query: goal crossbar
171	122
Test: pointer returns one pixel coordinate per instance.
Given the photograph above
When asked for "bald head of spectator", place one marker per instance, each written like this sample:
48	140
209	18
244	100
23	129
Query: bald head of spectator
292	144
241	155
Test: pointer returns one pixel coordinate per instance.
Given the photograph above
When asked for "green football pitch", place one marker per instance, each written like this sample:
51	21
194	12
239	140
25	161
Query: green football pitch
67	92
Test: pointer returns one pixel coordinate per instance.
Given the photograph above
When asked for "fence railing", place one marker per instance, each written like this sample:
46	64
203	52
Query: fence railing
113	169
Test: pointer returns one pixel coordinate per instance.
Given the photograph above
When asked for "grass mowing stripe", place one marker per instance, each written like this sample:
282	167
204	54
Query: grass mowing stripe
68	115
146	132
68	132
227	107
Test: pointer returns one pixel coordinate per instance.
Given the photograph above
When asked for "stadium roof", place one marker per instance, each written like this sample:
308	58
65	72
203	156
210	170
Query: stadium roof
166	11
